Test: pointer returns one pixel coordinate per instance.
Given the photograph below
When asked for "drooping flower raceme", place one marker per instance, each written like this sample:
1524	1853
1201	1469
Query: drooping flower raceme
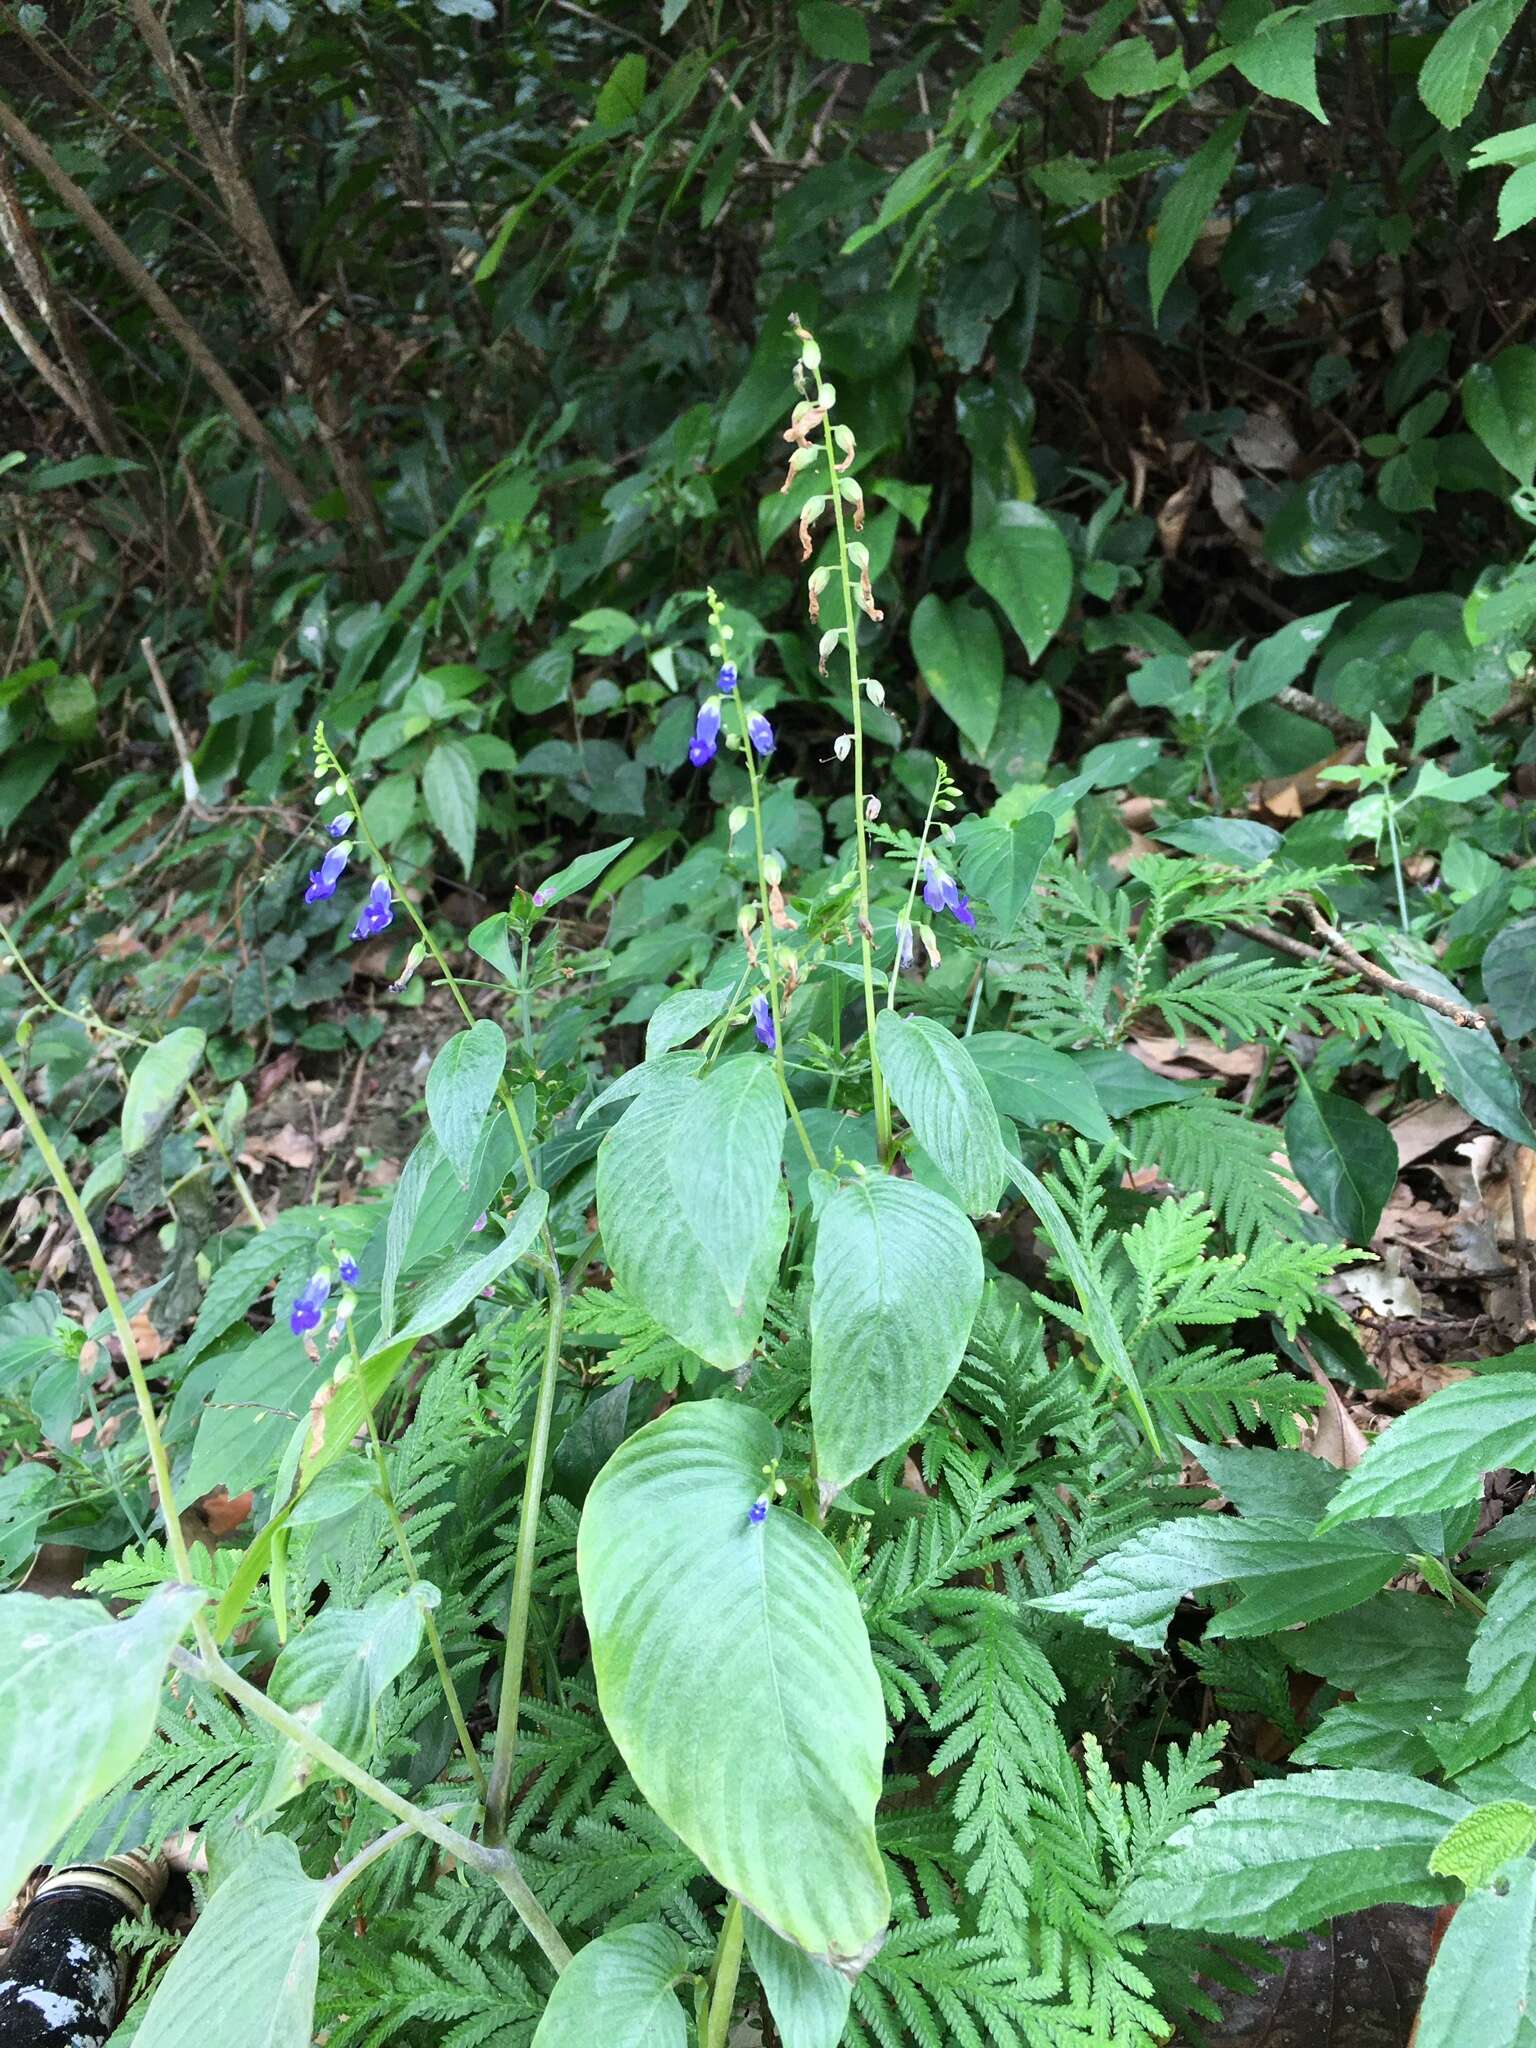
323	879
309	1304
762	1022
706	732
760	732
725	680
377	913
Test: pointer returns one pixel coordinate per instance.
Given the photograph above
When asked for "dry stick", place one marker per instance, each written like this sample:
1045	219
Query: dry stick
1357	964
1522	1241
57	380
282	301
1337	943
190	791
132	271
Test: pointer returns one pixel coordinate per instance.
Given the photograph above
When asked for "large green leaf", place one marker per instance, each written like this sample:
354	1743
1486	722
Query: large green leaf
585	869
618	1990
1023	563
1285	1574
959	654
1188	206
450	785
1344	1157
461	1086
332	1675
1509	977
1293	1852
246	1974
157	1084
1499	399
1435	1455
692	1206
809	2001
1036	1085
896	1283
1452	75
1474	1072
734	1674
1482	1985
938	1089
999	859
78	1697
1501	1675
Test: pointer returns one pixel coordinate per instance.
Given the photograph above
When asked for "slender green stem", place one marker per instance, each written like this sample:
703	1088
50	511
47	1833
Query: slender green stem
237	1178
504	1750
917	869
1397	863
379	1847
497	1864
861	835
1464	1597
148	1420
723	1976
770	951
408	1559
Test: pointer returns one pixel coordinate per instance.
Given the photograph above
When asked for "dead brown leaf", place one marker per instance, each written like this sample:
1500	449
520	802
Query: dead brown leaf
1197	1057
1174	515
1426	1127
288	1146
120	945
149	1340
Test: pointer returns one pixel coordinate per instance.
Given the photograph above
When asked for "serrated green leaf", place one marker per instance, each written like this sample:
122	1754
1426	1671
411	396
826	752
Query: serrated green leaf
1435	1455
1281	59
734	1674
896	1283
1483	1841
623	92
681	1016
1499	399
1452	75
1501	1675
1294	1851
935	1084
1188	207
461	1086
78	1697
1509	977
451	789
157	1085
332	1674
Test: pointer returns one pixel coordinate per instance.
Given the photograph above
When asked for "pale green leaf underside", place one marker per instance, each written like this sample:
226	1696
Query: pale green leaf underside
618	1990
670	1252
809	2001
896	1283
734	1674
78	1696
245	1975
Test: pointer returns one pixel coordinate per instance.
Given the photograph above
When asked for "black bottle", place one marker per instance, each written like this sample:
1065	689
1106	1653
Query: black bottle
61	1980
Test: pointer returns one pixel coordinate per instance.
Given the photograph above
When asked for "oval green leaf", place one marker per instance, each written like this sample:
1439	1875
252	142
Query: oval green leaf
938	1089
1499	399
618	1990
896	1283
959	653
1022	562
1344	1157
461	1086
809	2002
734	1673
692	1205
157	1084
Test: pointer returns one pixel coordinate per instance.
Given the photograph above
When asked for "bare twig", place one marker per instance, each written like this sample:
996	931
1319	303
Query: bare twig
1391	983
191	793
1522	1241
1305	705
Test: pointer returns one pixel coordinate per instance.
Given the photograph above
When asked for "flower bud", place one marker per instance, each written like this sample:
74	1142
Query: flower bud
737	821
827	643
773	870
872	810
842	746
874	691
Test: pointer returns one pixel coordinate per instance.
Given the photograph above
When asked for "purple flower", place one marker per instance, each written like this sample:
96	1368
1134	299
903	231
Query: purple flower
760	732
762	1020
725	681
377	913
323	879
340	826
939	892
963	911
903	944
346	1266
757	1514
706	730
309	1305
540	898
480	1221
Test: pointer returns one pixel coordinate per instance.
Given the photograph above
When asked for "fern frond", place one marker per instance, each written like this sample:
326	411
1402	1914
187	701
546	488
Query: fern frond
631	1343
1205	1147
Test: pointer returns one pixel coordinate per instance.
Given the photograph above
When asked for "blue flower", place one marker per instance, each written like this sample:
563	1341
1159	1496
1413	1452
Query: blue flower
725	681
377	913
963	911
758	1512
762	1019
346	1266
706	730
940	893
309	1305
903	943
761	734
340	826
323	879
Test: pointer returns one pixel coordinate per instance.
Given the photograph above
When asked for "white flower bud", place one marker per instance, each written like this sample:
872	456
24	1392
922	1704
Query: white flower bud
737	821
873	690
773	871
842	746
872	810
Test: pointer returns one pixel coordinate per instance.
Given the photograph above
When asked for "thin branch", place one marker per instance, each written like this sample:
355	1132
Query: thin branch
191	792
1392	984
